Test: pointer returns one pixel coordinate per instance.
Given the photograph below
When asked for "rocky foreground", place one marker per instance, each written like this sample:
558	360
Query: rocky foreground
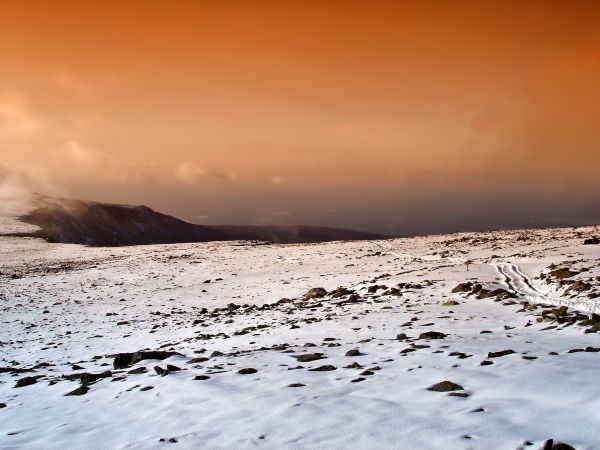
480	340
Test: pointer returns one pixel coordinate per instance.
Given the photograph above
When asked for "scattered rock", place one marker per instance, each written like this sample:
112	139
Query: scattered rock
81	390
124	360
562	446
317	292
88	378
500	353
308	357
458	394
247	371
26	381
353	352
325	368
160	371
462	287
432	335
445	386
354	365
450	303
561	274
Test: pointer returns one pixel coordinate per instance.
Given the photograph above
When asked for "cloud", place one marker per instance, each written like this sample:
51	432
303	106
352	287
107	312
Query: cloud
549	132
222	175
69	83
189	173
16	119
79	153
16	187
46	153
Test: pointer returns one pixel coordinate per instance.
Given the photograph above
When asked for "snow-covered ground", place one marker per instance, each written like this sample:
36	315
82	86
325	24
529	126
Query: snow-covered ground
68	309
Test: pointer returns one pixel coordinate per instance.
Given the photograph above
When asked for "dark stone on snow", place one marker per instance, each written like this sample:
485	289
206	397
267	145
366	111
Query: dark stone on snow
354	365
26	381
458	394
81	390
500	353
160	371
548	444
562	273
445	386
325	368
198	360
463	287
308	357
124	360
432	335
88	378
317	292
562	446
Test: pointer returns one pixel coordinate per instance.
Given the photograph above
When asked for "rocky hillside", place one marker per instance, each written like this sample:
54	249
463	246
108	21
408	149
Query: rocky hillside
101	224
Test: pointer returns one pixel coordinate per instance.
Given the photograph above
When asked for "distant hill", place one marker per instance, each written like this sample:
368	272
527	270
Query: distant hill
108	225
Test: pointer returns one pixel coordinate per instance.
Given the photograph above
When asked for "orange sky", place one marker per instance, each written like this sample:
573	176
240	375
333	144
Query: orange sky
388	116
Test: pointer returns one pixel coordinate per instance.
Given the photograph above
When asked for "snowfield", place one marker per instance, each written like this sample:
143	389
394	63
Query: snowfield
349	368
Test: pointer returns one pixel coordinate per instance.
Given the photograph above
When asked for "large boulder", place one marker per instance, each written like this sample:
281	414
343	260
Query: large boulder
562	273
317	292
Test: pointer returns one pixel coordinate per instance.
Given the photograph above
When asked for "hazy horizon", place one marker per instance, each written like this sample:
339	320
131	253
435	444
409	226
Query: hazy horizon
393	117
